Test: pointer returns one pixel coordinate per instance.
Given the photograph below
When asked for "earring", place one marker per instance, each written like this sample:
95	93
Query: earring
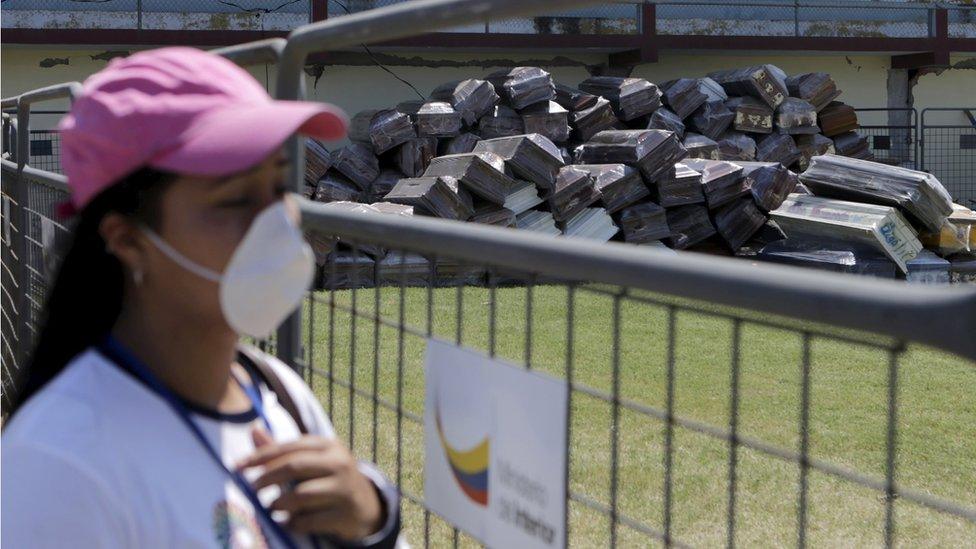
137	277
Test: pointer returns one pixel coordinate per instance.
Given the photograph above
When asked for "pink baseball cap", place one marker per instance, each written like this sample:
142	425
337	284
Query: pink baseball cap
181	110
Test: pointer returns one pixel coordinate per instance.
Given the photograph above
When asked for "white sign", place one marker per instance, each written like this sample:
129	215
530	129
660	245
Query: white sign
495	438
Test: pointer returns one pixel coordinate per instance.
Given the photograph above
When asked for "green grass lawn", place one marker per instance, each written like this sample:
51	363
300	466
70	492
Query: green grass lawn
937	427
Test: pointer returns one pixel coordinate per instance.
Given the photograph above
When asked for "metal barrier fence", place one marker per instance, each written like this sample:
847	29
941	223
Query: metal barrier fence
675	364
948	150
892	135
705	392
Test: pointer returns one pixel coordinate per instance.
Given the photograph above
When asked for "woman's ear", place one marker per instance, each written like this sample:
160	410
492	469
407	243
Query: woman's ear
123	240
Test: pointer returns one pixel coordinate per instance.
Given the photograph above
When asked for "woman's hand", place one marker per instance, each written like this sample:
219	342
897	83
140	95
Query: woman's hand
328	494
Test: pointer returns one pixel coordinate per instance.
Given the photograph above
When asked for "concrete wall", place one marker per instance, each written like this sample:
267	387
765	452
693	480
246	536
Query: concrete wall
862	77
354	87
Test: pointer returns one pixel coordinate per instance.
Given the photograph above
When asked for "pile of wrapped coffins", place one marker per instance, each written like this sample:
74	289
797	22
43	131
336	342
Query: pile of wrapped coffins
748	162
869	213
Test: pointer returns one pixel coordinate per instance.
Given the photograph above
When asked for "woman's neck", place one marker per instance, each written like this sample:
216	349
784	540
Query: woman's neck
191	360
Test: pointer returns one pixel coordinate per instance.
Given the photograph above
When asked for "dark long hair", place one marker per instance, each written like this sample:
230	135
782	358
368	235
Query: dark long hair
86	297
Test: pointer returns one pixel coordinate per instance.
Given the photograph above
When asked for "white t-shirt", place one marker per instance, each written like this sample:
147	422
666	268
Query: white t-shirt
97	459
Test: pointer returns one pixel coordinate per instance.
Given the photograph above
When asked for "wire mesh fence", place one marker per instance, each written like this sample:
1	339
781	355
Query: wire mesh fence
798	19
892	135
33	238
687	420
948	150
599	18
268	15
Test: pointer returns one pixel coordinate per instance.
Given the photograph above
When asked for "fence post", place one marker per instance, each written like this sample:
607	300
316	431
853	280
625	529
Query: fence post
19	240
139	14
796	18
921	141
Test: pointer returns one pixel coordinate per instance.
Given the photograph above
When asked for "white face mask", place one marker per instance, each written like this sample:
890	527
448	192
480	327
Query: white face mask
267	276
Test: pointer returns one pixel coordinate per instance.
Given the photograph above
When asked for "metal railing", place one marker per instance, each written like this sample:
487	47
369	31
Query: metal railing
947	148
704	392
799	19
887	19
892	134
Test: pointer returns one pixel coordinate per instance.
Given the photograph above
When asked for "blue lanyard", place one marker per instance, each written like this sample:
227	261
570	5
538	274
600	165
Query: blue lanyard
254	395
126	360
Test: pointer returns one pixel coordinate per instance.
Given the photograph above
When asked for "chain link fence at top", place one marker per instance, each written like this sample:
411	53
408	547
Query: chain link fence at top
962	21
600	18
219	15
795	19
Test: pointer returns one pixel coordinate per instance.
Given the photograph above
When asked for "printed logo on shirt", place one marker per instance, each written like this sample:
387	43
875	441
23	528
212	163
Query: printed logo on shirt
235	528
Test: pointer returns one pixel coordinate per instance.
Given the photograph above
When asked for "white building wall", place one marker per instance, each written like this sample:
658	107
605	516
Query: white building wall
863	78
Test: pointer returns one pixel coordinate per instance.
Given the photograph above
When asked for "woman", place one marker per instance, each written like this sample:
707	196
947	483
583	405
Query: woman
140	422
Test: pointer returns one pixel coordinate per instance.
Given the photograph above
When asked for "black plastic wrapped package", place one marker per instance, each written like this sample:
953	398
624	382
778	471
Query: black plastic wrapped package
346	269
383	184
383	129
573	99
722	182
796	116
548	119
460	144
917	194
816	87
738	221
699	146
852	145
712	89
770	185
664	119
829	256
483	178
437	119
711	119
653	151
358	163
777	147
500	122
689	225
491	214
413	157
811	146
619	185
399	268
431	196
751	115
592	120
574	191
736	146
318	160
531	157
630	97
680	186
335	187
760	82
643	223
522	86
472	98
684	97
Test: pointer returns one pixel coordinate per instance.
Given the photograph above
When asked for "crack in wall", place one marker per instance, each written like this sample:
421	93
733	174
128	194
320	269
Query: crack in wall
316	70
107	55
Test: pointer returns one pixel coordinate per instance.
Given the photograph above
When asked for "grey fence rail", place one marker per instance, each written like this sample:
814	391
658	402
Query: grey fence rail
712	401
